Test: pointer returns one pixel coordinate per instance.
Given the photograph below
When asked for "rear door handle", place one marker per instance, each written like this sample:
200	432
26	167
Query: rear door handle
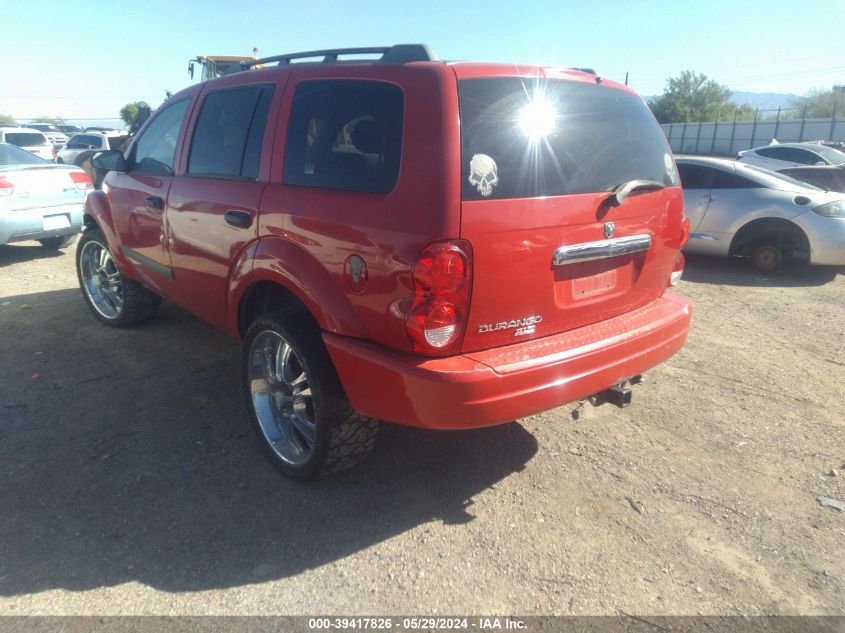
239	219
154	202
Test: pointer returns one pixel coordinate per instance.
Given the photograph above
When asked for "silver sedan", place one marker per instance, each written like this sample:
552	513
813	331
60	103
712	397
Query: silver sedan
747	211
39	200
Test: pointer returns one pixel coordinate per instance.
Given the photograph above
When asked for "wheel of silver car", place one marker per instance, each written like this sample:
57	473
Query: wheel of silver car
281	397
113	299
766	257
100	279
298	407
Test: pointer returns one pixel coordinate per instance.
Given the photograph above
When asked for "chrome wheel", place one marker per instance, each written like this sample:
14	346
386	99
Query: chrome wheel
101	280
281	397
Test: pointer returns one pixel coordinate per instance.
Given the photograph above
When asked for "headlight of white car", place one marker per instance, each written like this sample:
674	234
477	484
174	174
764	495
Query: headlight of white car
834	209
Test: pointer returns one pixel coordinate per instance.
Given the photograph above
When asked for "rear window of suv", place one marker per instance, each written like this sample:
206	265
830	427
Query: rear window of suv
25	139
524	139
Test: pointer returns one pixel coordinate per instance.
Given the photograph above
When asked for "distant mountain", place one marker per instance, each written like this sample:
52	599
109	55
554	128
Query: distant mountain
763	100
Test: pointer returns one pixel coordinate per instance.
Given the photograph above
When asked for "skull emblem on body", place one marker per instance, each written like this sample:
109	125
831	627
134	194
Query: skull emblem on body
483	174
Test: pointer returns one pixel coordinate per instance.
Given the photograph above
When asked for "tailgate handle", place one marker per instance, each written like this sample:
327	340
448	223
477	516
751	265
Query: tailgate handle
602	249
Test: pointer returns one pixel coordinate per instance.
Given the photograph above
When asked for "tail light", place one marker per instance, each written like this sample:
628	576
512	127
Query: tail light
81	180
437	316
7	188
677	271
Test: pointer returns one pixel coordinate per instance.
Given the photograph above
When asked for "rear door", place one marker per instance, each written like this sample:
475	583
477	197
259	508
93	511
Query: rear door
213	207
696	181
551	250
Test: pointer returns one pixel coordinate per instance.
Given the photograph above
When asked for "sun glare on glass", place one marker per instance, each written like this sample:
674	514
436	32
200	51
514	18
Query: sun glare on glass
537	119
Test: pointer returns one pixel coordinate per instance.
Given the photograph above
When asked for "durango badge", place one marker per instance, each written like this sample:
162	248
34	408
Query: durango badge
521	327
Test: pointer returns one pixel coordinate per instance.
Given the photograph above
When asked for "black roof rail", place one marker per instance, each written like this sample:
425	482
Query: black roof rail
585	70
397	54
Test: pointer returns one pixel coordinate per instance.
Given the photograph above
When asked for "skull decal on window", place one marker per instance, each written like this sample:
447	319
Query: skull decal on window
483	174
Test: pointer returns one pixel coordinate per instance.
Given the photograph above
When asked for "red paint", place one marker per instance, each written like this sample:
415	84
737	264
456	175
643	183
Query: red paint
581	327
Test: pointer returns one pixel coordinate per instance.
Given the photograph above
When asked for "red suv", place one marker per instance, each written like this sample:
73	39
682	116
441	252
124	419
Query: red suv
444	245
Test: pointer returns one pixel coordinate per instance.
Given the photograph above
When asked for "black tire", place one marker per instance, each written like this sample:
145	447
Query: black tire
56	243
137	305
343	437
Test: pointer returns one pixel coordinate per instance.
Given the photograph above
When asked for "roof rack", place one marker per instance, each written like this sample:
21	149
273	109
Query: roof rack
397	54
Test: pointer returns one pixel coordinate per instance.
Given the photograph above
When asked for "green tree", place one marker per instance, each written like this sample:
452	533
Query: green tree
49	120
691	97
6	118
129	113
820	104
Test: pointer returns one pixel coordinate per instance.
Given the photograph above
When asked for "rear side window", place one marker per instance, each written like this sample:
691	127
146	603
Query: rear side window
155	149
25	139
345	134
230	129
791	154
695	176
522	138
724	180
115	142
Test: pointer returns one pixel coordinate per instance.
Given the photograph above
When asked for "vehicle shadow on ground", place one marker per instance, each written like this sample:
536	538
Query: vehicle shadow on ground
739	272
17	253
126	455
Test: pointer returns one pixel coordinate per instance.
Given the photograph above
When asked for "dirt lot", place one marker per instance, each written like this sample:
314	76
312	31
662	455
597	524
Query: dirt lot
130	482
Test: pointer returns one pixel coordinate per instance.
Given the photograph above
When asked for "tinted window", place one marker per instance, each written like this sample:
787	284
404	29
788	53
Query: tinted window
229	131
156	147
791	154
345	135
695	176
12	155
88	141
115	142
75	142
25	139
724	180
555	138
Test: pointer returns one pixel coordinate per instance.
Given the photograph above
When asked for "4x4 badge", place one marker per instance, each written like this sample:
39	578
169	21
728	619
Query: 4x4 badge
609	229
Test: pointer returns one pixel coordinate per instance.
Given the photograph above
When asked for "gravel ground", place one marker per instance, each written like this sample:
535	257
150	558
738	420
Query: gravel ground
130	482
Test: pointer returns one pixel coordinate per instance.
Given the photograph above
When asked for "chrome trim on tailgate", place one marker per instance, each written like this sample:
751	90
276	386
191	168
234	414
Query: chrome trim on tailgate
588	251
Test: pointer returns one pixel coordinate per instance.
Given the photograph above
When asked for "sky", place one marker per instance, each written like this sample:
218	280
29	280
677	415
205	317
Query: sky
85	59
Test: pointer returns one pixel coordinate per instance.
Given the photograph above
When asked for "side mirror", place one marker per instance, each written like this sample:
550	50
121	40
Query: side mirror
109	160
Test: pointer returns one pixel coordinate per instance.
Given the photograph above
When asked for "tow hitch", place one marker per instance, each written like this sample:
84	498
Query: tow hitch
619	394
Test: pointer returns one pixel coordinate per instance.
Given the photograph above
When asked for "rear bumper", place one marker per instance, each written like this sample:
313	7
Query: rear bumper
28	224
506	383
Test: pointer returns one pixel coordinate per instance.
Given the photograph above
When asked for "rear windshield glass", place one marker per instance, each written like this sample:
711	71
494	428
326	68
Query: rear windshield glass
524	139
11	155
25	139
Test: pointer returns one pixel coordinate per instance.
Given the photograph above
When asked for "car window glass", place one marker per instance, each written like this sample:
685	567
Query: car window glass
13	155
695	176
89	141
772	152
228	134
115	142
26	139
155	149
724	180
522	139
804	157
75	142
345	134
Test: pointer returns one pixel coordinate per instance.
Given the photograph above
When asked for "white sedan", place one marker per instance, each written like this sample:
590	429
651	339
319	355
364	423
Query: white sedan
40	200
736	209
